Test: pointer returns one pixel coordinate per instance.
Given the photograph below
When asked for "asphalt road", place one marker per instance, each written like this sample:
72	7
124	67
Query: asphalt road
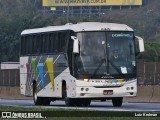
99	106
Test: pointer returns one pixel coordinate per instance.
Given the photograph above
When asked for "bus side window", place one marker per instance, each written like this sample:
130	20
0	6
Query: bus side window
44	43
23	47
30	48
51	41
56	42
27	44
38	44
63	36
47	43
34	45
37	50
60	37
65	41
41	44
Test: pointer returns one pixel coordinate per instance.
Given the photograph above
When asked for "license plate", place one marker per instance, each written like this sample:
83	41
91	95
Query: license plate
108	92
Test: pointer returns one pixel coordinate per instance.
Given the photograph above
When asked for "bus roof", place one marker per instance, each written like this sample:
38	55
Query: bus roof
82	26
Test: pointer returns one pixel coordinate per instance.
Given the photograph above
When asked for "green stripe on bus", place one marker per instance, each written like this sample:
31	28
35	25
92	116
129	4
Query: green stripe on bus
34	66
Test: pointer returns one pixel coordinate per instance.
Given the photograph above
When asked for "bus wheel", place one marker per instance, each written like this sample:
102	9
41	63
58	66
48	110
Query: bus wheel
117	102
37	100
68	101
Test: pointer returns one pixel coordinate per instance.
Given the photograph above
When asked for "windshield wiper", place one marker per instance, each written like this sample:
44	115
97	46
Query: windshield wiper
115	67
102	61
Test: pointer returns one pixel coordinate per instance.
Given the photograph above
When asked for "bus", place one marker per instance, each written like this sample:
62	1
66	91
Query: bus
79	63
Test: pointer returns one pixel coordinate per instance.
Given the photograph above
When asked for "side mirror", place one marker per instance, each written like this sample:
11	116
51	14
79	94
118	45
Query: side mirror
75	44
139	44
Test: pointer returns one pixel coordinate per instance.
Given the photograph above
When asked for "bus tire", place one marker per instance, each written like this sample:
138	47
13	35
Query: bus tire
37	100
117	102
68	101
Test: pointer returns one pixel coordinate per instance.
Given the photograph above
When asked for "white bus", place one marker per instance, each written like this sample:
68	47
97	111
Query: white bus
79	63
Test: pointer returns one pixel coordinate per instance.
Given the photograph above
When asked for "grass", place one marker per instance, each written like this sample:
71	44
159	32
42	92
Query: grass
68	114
16	108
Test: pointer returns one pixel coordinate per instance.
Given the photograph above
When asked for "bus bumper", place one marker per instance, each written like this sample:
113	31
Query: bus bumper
129	89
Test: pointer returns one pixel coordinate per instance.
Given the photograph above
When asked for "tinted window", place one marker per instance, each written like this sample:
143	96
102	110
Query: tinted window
44	43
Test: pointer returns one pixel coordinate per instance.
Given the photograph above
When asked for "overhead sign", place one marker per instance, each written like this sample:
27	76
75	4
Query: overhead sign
91	2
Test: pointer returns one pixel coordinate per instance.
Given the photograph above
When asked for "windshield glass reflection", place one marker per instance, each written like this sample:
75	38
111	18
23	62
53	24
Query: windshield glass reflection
103	53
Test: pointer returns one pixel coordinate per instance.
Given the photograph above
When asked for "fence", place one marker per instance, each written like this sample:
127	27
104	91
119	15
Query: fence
148	73
9	78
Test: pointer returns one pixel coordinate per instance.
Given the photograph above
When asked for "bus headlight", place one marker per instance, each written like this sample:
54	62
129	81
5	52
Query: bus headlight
86	80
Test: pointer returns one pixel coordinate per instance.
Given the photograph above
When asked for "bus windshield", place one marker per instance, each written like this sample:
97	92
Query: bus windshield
105	54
